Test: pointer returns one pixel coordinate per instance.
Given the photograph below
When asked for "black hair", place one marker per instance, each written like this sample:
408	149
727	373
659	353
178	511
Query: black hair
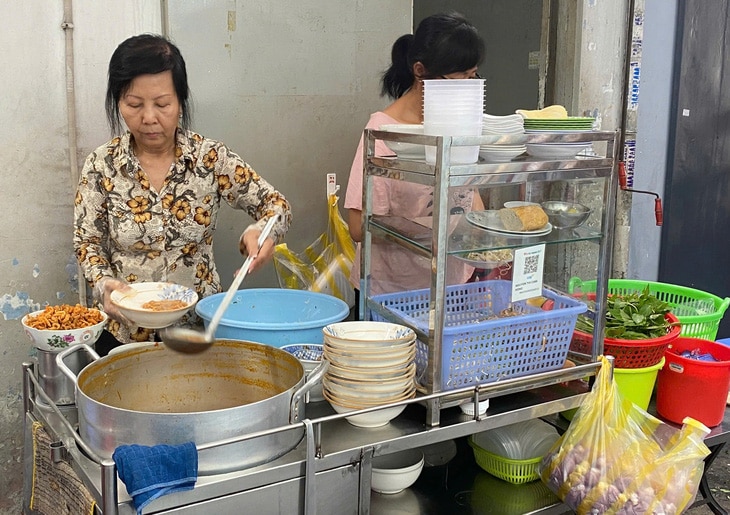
444	43
140	55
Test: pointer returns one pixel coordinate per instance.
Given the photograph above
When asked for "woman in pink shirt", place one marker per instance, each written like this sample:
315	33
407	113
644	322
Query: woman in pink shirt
443	46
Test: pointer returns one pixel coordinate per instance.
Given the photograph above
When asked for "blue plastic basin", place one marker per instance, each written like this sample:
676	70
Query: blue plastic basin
274	316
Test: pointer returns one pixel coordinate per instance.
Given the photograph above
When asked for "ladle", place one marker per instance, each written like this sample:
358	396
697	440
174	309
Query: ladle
182	339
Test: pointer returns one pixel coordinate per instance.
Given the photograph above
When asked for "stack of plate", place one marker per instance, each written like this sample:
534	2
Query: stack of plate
562	150
371	364
499	126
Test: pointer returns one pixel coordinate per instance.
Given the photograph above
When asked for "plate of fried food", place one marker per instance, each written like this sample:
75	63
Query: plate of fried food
57	327
154	305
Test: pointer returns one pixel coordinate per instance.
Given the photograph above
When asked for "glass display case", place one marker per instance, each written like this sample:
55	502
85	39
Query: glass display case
488	302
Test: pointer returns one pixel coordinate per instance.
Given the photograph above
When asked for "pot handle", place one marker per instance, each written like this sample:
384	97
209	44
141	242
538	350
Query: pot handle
297	398
67	352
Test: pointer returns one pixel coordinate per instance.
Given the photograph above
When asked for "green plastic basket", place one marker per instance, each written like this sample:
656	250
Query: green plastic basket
699	312
517	472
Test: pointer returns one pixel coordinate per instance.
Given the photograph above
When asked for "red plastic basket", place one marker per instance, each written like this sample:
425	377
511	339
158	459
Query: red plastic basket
629	353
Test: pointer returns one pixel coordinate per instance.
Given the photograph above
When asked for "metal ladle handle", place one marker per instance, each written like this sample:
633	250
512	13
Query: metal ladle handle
218	315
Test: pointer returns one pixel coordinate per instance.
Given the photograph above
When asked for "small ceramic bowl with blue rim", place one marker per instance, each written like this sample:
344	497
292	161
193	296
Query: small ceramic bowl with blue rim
310	356
154	305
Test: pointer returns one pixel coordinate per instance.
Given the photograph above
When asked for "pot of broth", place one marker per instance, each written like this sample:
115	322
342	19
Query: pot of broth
151	395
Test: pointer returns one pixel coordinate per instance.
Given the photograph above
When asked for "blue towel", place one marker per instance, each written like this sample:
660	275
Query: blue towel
151	472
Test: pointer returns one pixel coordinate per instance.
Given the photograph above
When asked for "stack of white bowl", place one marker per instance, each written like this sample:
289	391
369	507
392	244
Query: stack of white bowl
453	107
501	126
371	364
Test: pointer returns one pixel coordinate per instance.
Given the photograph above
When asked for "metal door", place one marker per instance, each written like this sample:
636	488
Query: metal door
696	232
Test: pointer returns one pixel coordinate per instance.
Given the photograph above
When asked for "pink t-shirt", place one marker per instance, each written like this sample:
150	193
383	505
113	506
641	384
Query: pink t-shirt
393	268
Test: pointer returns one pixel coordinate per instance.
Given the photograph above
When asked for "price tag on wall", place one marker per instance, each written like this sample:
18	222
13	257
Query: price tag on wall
527	267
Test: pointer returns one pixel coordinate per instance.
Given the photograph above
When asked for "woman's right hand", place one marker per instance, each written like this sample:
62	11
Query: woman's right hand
103	290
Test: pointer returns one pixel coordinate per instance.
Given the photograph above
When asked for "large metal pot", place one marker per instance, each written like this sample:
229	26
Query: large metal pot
151	395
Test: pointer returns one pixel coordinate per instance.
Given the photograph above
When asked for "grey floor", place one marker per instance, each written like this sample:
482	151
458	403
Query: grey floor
719	481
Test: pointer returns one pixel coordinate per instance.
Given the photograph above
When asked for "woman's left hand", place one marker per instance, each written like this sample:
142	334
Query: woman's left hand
248	245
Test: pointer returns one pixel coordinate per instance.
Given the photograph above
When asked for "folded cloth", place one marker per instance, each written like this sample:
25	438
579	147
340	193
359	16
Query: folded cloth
151	472
56	488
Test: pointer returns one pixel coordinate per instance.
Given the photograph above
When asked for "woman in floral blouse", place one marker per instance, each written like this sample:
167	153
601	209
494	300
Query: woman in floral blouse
147	201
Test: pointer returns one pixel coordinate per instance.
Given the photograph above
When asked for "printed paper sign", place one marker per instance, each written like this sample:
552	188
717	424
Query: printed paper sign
527	272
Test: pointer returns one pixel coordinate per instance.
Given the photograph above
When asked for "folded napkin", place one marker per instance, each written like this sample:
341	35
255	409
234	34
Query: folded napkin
151	472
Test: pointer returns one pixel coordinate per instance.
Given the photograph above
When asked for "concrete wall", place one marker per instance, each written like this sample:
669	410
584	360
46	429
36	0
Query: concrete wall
655	97
511	30
288	84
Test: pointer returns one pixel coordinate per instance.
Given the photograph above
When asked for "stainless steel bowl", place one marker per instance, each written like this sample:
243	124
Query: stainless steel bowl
566	215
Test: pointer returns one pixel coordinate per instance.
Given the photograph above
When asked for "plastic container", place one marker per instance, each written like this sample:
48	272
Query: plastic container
476	350
699	312
694	388
637	384
492	495
513	471
629	353
274	316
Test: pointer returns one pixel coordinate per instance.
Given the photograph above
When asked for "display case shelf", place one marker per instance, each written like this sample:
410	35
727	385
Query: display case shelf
444	235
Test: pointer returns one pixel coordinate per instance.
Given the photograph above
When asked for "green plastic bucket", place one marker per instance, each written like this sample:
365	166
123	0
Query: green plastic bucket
634	384
637	384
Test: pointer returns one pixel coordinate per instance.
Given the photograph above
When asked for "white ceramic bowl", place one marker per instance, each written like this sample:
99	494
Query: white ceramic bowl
376	418
357	361
367	334
364	351
364	383
362	393
499	155
130	304
371	373
393	473
49	339
310	356
361	402
402	149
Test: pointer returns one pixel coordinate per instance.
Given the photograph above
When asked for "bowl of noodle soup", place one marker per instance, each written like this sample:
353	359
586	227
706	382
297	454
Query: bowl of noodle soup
58	327
154	305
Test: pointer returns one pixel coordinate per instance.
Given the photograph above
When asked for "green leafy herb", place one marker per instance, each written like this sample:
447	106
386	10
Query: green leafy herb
634	316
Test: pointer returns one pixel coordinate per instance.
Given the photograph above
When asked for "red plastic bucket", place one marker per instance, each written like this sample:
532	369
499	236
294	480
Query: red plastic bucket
694	388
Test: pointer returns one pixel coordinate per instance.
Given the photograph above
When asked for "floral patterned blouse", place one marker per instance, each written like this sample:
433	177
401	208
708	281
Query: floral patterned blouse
126	229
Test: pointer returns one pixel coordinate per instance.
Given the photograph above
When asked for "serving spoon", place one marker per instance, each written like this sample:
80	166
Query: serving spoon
190	341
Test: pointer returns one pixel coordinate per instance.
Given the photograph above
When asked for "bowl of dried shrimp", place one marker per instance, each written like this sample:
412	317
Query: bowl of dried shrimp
154	305
57	327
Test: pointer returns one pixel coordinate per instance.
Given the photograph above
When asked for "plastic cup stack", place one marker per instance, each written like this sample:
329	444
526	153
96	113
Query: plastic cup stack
453	107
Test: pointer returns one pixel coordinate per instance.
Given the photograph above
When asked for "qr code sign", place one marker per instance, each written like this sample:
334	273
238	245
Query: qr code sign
532	263
527	272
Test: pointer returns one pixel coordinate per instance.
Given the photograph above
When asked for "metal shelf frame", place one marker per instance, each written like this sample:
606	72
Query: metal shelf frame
442	176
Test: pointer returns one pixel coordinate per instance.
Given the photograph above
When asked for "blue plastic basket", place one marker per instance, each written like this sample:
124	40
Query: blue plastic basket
478	347
274	316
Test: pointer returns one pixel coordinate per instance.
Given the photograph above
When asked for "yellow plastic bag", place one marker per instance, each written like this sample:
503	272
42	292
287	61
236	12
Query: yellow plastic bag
325	265
616	458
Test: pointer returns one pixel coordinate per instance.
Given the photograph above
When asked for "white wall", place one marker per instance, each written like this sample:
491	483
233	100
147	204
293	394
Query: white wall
289	85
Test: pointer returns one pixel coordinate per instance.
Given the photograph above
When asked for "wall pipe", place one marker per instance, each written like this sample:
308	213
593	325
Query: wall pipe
68	26
658	210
